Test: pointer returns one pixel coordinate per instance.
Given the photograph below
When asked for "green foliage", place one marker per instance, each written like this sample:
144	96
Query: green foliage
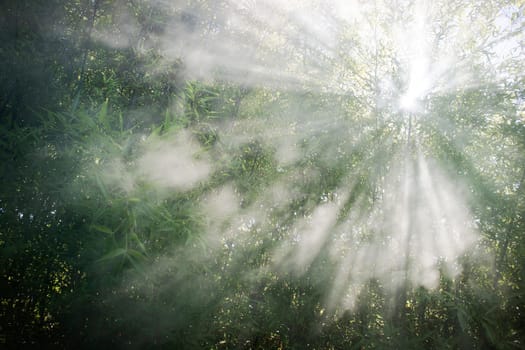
96	252
253	168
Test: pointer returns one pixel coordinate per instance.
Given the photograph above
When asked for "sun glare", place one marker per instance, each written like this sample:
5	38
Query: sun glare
408	102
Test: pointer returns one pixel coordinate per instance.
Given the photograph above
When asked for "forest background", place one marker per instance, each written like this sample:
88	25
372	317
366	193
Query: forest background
262	174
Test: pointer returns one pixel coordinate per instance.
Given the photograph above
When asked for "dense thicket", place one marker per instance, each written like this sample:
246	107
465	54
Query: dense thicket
103	244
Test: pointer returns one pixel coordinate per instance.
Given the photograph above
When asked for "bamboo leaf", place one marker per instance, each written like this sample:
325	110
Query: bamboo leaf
103	229
489	330
113	254
101	187
462	318
139	242
103	116
135	254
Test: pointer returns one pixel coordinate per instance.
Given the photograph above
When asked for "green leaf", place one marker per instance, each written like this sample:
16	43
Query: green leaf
103	116
102	187
136	255
138	267
463	319
139	242
489	330
103	229
113	254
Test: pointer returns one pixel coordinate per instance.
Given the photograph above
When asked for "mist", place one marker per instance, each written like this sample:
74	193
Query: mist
280	172
413	223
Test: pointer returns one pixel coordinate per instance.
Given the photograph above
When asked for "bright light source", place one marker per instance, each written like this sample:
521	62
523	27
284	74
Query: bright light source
420	82
408	102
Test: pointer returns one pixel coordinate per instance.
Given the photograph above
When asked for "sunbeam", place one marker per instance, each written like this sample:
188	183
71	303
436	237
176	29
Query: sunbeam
411	219
252	174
